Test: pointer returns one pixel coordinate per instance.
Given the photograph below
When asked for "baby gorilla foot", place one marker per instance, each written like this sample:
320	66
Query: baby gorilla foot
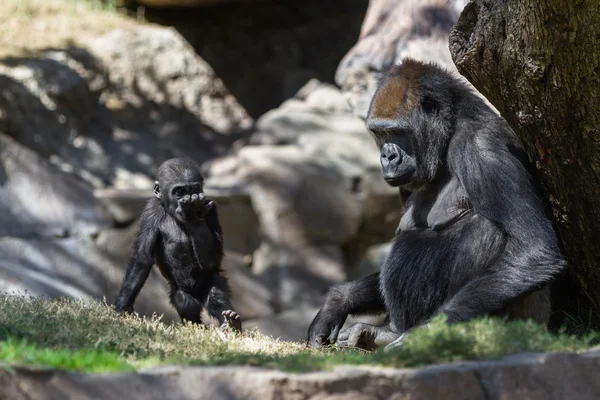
233	320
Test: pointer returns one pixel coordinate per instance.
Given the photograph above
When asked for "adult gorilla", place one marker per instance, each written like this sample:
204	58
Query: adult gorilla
473	239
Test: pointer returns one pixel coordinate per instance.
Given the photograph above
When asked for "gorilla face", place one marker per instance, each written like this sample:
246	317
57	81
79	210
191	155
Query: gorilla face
180	188
411	120
187	202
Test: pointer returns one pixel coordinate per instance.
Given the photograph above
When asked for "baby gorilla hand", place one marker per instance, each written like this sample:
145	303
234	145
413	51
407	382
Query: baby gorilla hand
193	206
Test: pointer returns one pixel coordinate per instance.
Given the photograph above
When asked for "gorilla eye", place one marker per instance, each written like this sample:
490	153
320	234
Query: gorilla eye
178	192
429	105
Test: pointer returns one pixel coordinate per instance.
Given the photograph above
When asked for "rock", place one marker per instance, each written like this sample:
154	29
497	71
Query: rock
312	176
392	30
521	376
111	114
73	267
156	65
38	199
125	205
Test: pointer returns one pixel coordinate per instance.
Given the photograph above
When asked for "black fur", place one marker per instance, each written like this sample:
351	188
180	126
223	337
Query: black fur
180	232
474	238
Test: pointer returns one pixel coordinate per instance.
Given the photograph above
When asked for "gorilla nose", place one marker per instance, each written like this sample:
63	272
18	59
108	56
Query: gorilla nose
390	155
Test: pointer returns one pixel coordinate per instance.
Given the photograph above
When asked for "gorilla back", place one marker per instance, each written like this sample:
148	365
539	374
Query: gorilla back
180	231
473	239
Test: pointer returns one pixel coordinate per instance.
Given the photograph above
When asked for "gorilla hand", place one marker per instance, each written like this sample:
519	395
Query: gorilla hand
325	327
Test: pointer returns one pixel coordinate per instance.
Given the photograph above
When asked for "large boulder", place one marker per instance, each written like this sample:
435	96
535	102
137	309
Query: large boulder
73	267
38	199
155	65
110	114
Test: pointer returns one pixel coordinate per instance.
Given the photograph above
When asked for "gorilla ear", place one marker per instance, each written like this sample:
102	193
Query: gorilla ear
157	190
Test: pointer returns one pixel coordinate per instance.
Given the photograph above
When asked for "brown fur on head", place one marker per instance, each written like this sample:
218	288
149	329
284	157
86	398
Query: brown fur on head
401	90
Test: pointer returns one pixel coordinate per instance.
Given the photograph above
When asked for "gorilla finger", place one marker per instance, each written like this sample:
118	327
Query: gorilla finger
344	335
356	337
319	341
185	199
194	198
333	336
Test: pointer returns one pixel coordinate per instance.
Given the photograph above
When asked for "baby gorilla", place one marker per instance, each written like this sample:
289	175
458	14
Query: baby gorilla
180	231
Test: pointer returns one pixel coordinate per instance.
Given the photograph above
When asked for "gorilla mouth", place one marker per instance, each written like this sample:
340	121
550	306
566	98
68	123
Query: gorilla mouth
397	180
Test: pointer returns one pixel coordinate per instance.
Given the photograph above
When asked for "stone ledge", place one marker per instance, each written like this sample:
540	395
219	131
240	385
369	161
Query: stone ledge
522	376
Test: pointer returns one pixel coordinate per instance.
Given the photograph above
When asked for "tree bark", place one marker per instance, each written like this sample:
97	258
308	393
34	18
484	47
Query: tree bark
538	63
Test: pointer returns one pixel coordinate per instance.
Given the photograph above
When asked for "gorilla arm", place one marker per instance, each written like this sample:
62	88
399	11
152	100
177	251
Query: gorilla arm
361	296
141	262
501	190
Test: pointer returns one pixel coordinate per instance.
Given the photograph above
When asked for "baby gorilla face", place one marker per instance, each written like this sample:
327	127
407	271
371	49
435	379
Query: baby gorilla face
189	203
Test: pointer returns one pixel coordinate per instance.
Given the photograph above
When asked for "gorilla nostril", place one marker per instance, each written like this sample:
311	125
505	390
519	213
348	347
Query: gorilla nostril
391	157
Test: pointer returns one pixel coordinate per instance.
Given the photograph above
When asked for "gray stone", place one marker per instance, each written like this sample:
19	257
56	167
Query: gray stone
38	199
154	64
110	114
73	267
522	376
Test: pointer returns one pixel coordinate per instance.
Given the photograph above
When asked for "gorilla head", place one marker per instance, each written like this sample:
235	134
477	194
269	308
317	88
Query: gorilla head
179	188
412	118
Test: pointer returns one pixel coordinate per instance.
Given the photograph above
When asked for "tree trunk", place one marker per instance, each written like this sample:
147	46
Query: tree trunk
538	63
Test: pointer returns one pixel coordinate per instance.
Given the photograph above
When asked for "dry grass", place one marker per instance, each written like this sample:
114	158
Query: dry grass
91	325
87	335
30	25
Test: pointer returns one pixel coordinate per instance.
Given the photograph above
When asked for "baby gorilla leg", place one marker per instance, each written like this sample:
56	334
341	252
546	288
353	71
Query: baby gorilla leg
219	306
187	306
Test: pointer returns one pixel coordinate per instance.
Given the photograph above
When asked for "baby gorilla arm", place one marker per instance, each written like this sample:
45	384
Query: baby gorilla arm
141	262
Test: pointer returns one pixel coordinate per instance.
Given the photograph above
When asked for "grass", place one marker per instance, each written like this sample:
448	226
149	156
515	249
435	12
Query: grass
86	335
31	25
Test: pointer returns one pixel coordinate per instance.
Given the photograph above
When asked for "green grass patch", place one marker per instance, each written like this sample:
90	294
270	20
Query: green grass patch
86	335
20	352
